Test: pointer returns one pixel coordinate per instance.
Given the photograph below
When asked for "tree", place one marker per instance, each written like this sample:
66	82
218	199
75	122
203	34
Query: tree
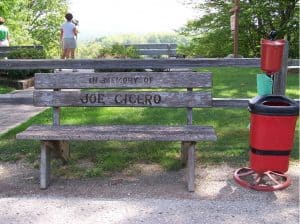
34	21
211	32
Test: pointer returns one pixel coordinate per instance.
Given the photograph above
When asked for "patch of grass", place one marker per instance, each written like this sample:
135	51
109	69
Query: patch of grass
241	82
6	89
94	172
113	156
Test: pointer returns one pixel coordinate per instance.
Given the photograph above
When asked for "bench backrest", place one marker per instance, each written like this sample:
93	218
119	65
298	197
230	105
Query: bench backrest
112	90
153	50
4	51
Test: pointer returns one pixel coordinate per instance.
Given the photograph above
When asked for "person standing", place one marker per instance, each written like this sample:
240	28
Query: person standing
4	39
68	37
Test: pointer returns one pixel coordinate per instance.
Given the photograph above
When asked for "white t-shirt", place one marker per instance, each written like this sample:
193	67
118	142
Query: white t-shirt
68	28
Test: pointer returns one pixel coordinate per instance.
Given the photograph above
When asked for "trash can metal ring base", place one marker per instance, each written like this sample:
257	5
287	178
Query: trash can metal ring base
267	181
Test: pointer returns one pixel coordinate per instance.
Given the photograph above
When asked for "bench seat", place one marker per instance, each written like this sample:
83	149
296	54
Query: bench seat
186	133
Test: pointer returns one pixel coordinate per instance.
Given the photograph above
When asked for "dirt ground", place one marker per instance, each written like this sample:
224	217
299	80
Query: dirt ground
151	186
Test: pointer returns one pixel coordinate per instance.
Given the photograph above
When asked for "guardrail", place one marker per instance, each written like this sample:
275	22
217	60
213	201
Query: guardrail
4	51
155	49
279	82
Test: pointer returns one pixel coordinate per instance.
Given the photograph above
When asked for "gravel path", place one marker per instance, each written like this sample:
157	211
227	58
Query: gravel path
128	211
154	196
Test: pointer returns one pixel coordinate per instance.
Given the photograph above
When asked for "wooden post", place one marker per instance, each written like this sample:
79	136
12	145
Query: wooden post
60	148
184	145
279	84
189	110
235	11
45	168
191	167
56	113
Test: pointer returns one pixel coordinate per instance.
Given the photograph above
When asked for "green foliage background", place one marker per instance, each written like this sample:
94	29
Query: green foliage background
212	37
34	22
37	22
108	44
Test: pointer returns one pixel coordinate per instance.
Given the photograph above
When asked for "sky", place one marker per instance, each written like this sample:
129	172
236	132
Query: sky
106	17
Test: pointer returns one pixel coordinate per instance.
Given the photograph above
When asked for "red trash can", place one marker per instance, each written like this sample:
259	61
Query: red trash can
271	55
272	127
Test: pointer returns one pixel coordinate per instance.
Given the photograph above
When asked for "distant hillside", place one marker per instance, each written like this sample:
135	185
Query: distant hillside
90	49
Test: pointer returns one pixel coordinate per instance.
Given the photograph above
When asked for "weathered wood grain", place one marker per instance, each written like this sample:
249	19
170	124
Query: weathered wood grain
127	63
45	167
123	80
120	132
21	47
184	153
60	149
191	167
153	46
155	49
4	51
132	63
121	99
56	113
157	52
230	102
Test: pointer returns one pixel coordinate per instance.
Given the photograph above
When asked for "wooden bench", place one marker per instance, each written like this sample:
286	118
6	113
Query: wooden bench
5	51
155	50
56	137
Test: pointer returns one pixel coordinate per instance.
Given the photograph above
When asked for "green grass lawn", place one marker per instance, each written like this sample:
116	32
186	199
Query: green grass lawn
241	82
106	157
5	89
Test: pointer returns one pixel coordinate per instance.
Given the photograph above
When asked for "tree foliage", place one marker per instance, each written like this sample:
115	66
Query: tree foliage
211	35
34	21
95	48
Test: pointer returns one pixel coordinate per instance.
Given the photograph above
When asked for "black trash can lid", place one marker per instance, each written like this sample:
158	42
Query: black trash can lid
273	105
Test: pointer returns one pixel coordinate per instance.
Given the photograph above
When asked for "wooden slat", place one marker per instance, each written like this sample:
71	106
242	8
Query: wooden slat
3	54
131	63
230	102
14	48
4	51
157	52
123	80
122	99
152	46
120	132
235	102
126	63
217	102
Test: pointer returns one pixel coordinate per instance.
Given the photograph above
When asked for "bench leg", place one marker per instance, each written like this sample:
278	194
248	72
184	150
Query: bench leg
45	168
60	149
184	153
191	167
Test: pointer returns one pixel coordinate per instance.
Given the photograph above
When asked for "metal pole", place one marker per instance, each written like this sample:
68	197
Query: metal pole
279	84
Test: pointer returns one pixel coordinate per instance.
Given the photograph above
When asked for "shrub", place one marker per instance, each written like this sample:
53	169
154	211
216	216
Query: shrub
25	54
118	51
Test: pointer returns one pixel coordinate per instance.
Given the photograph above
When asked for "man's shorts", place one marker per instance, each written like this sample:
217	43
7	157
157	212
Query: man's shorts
69	43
